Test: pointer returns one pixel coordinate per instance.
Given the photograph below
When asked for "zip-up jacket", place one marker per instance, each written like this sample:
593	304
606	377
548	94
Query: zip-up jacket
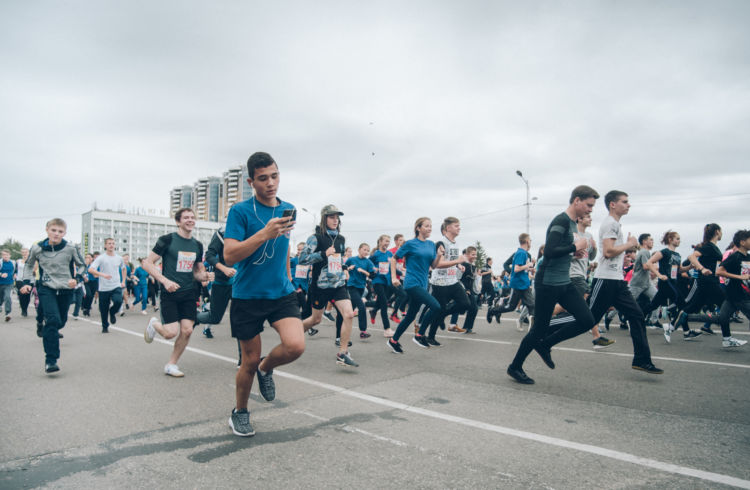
314	254
57	264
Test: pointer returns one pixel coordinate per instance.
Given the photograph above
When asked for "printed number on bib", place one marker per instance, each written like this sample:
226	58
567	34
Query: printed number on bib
673	272
382	268
301	271
334	263
185	261
745	268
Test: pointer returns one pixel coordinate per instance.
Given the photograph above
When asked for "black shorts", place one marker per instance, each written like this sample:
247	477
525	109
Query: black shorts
177	306
246	316
319	297
581	285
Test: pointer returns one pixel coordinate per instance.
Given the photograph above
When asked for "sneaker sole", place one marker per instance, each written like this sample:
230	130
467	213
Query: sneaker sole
638	368
342	363
421	345
600	347
239	433
175	375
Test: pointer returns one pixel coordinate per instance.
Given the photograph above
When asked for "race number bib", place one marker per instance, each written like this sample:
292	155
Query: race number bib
745	268
383	268
673	272
716	269
185	261
301	271
334	264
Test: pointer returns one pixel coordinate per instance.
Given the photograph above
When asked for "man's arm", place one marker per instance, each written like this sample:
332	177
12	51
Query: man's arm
611	250
149	264
237	251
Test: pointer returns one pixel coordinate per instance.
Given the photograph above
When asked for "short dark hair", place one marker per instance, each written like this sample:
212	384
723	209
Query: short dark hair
740	236
613	196
259	159
178	214
643	237
583	192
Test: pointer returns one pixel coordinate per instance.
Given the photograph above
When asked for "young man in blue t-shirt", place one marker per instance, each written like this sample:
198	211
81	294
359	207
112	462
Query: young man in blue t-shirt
520	282
257	240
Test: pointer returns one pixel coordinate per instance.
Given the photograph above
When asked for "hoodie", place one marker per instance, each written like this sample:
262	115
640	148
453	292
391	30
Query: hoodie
57	264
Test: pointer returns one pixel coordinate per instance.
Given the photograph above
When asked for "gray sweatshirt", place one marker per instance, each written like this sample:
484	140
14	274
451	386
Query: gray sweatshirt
57	264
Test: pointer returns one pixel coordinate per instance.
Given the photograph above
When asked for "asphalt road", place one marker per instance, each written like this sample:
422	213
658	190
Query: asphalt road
445	417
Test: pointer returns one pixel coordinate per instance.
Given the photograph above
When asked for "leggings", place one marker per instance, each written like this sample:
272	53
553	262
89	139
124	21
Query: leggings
355	294
417	297
382	304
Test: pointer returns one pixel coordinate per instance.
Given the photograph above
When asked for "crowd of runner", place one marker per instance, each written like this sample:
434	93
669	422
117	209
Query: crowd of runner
421	281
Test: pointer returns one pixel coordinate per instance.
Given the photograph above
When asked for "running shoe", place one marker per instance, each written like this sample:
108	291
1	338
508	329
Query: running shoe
456	328
51	367
239	421
338	343
668	329
143	312
344	359
707	329
469	332
150	332
372	316
39	327
607	321
59	335
691	335
75	317
312	331
207	332
112	318
519	375
105	330
364	335
602	343
489	315
732	342
433	342
395	319
421	341
519	326
388	333
546	354
329	316
394	346
648	367
173	370
266	386
497	317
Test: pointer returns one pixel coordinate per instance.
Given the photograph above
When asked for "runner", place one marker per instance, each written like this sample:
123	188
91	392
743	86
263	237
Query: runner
140	286
384	283
488	290
23	299
736	268
324	251
400	300
182	267
610	289
360	268
301	281
472	288
552	281
7	271
221	289
109	269
257	240
520	283
420	254
57	259
641	287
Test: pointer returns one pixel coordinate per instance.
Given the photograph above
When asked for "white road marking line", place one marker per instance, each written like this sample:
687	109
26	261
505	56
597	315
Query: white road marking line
531	436
349	428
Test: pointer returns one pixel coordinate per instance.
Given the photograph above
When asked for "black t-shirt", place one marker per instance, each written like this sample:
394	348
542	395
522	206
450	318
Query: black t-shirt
737	263
669	264
487	278
179	256
467	278
710	259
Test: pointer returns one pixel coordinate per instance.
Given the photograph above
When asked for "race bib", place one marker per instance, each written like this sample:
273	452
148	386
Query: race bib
383	268
745	268
451	271
673	272
716	269
334	264
185	261
301	271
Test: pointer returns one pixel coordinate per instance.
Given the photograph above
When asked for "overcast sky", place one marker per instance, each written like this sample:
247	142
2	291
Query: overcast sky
117	102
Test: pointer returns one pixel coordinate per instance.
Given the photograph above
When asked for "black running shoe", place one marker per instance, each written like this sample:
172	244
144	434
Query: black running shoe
51	367
519	375
707	329
207	332
421	341
39	328
312	331
112	318
649	368
433	342
489	315
546	355
395	346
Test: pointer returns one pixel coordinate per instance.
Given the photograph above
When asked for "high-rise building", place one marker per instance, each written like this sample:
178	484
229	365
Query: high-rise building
206	195
134	234
235	189
180	197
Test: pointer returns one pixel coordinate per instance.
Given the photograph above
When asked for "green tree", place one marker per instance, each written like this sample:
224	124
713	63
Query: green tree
14	247
481	255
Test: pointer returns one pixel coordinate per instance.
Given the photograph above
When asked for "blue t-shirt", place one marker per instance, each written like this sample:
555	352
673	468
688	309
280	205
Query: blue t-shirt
299	282
7	268
520	280
382	263
356	278
263	274
419	256
142	276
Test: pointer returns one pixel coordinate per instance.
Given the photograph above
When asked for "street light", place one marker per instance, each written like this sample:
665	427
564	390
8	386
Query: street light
528	200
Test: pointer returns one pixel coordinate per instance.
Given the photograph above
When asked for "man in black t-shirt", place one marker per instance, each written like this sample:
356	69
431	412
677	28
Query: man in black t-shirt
182	267
736	268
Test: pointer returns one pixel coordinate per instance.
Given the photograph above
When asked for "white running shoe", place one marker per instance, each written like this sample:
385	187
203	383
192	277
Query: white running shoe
519	325
173	370
668	329
143	312
732	342
150	332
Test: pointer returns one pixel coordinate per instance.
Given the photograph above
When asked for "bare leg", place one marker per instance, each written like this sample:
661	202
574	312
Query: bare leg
291	347
312	320
243	381
181	342
345	309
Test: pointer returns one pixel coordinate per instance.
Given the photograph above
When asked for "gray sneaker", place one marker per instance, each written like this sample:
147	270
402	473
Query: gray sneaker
240	423
266	385
345	360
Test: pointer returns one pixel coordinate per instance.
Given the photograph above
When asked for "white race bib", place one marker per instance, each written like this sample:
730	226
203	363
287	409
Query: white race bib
383	268
745	268
334	264
673	272
185	261
301	271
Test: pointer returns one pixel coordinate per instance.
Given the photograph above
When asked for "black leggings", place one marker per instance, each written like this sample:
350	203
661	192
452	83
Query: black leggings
382	303
444	295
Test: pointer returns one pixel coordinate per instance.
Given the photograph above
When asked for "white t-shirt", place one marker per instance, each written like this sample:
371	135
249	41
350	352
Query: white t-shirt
449	275
112	265
610	268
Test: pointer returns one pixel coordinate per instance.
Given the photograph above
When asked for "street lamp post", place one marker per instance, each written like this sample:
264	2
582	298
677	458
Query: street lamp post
528	200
